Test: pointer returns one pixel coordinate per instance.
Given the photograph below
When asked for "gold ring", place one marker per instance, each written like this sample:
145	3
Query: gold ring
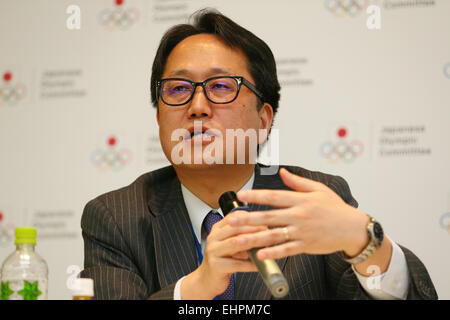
286	233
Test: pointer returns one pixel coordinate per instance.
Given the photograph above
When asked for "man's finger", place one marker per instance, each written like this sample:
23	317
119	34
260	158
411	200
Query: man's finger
243	255
280	217
230	265
224	222
265	238
275	198
287	249
298	183
230	231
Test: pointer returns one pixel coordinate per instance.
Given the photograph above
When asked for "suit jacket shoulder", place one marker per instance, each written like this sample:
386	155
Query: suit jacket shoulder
118	238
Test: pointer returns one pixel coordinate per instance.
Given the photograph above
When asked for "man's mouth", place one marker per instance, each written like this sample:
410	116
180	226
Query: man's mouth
200	134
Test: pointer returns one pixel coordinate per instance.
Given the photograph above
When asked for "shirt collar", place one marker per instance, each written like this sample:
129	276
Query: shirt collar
198	210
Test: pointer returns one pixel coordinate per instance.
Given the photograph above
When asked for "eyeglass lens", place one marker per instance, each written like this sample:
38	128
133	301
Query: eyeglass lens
219	90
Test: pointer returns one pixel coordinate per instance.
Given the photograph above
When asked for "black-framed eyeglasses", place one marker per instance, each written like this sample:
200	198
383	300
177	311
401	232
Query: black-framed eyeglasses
220	90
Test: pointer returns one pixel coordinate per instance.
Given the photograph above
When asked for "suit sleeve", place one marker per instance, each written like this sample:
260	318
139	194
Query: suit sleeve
342	282
108	259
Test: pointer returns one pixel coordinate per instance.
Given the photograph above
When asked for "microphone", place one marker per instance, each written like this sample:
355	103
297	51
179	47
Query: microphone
268	269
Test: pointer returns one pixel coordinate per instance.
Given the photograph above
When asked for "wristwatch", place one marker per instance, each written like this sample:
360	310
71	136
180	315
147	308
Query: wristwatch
376	236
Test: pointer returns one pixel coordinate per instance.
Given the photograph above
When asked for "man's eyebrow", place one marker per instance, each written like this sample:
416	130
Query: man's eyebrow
180	72
210	72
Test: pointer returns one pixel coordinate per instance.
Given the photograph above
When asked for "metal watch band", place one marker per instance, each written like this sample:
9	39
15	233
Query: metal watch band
370	249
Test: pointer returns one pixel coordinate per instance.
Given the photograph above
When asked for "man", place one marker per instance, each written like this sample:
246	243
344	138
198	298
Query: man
158	239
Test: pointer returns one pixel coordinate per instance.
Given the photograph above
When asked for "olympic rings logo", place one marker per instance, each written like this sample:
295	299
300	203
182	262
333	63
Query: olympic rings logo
447	70
111	158
118	17
341	150
6	232
342	7
444	221
11	94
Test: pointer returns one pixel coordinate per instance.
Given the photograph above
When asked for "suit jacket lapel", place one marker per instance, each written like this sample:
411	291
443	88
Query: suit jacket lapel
251	284
175	251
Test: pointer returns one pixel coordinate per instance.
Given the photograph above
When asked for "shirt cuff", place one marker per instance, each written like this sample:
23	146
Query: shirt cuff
393	284
177	290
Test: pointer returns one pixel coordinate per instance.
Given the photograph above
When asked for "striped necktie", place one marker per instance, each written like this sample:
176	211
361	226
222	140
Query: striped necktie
208	223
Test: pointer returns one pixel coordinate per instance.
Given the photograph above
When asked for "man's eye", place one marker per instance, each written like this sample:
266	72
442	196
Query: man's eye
220	86
180	88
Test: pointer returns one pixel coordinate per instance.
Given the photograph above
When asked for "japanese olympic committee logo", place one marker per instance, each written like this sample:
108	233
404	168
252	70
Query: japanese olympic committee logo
444	221
118	17
350	8
111	157
6	231
341	149
10	93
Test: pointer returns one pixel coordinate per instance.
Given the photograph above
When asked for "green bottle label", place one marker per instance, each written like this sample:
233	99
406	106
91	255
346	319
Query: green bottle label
6	291
30	291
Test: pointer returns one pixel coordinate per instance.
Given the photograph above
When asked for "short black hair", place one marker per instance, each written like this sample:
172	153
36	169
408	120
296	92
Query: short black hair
261	62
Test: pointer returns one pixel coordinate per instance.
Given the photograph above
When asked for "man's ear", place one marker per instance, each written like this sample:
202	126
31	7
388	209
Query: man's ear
265	118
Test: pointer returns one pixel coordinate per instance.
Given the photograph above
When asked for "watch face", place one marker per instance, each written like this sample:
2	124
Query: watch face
378	231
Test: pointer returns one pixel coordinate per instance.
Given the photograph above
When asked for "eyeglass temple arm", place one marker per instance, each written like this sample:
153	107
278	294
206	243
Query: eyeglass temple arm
253	88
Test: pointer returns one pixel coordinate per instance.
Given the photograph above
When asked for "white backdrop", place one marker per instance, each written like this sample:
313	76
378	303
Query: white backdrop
76	121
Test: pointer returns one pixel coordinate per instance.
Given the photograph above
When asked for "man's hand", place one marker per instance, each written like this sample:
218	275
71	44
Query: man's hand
317	220
225	253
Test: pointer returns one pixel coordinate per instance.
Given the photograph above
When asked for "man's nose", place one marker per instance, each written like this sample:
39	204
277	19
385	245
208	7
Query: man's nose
199	106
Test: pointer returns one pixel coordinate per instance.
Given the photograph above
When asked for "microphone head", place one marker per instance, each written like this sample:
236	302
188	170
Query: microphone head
228	201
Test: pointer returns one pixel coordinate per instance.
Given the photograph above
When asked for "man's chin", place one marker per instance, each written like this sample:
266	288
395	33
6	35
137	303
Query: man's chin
210	160
199	165
209	167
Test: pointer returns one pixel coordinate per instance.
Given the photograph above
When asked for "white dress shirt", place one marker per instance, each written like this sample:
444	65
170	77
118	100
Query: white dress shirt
393	284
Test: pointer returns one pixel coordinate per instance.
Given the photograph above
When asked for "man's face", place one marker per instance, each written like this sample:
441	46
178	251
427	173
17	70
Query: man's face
198	58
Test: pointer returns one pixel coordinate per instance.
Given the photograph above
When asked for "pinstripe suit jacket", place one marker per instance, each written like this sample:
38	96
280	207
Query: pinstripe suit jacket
138	243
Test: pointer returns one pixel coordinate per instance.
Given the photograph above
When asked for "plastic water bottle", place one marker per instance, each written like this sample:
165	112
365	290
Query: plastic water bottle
24	274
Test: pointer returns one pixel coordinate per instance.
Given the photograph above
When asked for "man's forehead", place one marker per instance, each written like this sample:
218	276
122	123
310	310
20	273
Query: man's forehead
202	56
204	39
